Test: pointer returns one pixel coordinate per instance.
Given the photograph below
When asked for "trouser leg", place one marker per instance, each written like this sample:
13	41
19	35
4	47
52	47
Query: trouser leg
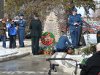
80	32
14	41
78	36
35	45
73	38
21	34
4	40
10	41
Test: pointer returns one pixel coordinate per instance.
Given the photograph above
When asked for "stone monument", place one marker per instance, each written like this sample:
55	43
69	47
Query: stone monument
51	25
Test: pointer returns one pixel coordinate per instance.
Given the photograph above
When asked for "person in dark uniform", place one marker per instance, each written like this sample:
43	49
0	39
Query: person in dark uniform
92	65
21	30
36	32
75	22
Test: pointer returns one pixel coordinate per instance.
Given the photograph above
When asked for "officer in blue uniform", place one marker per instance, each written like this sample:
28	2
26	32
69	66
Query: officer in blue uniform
21	30
63	43
75	22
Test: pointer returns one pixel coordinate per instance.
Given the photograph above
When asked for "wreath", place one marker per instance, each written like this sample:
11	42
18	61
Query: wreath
47	38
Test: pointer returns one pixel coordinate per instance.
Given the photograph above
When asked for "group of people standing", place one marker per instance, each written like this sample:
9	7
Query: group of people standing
14	28
18	28
74	23
75	27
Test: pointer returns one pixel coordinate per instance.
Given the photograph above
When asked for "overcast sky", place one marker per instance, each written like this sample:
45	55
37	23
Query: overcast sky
92	14
82	11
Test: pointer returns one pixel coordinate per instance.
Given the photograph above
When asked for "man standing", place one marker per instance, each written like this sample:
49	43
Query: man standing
21	30
75	22
36	31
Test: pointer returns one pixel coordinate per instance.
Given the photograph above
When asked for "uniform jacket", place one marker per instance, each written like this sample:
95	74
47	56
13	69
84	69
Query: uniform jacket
92	66
73	19
21	24
36	28
63	42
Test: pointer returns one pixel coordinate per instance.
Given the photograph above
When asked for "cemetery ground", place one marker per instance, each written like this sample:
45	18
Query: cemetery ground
34	64
28	65
24	63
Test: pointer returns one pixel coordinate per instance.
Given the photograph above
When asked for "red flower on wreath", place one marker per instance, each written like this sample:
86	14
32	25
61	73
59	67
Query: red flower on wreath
47	38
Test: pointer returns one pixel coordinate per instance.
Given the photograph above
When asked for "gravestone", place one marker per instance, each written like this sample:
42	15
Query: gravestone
90	39
51	25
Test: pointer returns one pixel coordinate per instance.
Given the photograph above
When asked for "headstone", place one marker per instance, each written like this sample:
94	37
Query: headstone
51	25
90	39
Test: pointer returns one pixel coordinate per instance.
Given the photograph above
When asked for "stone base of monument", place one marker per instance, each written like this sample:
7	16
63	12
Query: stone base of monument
41	52
48	52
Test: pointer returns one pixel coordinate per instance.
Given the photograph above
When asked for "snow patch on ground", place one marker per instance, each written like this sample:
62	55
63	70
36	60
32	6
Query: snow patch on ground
6	51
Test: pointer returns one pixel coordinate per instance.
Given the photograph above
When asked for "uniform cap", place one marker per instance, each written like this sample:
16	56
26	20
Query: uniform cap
21	14
75	9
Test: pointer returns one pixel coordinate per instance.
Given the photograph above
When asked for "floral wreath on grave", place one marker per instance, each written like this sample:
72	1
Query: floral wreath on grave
47	38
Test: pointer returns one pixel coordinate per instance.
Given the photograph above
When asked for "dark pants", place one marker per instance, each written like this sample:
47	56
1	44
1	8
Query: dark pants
3	38
35	45
12	39
61	50
75	36
80	30
21	36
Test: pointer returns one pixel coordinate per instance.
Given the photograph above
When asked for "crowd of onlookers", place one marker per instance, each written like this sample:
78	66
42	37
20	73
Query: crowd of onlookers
13	28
